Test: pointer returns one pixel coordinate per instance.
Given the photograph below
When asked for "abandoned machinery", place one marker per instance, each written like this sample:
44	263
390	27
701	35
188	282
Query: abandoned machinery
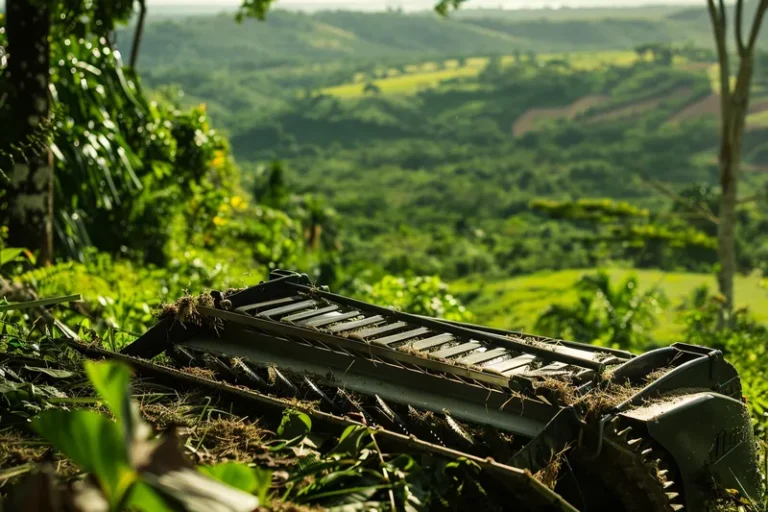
659	431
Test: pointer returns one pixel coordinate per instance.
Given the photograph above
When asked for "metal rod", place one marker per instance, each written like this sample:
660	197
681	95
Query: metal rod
572	344
454	329
357	346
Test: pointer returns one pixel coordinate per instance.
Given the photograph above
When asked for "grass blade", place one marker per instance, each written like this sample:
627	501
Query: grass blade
40	303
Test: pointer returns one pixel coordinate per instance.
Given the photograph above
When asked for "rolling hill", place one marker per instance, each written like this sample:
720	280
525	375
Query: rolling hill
291	37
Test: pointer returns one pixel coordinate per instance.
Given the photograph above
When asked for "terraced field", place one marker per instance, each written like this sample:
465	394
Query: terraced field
516	303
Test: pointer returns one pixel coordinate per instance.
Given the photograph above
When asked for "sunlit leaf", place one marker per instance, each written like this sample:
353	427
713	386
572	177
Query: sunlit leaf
295	425
9	254
112	382
91	441
251	480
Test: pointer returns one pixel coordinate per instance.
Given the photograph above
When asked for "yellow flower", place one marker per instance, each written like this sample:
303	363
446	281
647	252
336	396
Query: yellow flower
237	202
218	159
201	107
219	221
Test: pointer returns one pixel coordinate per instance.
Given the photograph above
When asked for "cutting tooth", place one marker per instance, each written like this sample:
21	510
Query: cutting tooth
662	473
458	430
352	403
217	365
282	379
667	485
677	508
414	417
391	415
243	369
646	452
319	392
624	432
635	443
181	352
672	495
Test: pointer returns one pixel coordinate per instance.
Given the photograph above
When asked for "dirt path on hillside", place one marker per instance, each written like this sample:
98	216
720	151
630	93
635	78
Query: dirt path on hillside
639	107
710	106
525	123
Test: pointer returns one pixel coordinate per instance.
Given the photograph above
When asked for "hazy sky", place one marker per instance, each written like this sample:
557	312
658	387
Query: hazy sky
373	4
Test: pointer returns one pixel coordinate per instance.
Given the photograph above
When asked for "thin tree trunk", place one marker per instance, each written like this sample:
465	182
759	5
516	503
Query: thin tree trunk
734	105
139	34
30	191
726	229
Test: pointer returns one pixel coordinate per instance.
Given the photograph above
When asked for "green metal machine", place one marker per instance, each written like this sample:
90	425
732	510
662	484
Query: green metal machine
660	431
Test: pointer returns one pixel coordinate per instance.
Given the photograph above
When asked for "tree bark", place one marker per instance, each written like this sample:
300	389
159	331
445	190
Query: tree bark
139	34
30	188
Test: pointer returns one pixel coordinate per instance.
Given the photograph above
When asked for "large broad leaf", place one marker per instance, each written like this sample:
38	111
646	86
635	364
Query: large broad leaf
240	476
93	442
144	497
293	429
195	492
112	382
294	425
173	477
9	254
350	440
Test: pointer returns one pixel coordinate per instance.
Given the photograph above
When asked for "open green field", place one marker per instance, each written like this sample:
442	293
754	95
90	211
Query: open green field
758	119
431	74
408	83
516	303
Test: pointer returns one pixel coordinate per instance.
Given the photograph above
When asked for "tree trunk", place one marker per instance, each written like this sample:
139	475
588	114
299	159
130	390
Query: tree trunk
138	34
30	191
730	159
726	229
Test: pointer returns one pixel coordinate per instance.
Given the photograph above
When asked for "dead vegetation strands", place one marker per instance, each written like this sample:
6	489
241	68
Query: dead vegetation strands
200	372
185	311
229	439
549	474
18	450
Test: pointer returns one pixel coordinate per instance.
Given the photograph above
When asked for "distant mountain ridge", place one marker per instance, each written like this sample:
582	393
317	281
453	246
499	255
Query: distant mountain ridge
292	37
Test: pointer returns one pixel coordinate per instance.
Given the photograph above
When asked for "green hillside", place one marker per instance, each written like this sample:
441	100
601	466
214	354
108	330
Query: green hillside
431	137
295	37
516	303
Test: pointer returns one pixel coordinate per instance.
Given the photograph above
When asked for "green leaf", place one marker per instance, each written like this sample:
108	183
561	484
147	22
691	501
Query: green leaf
295	425
239	476
193	491
112	382
91	441
145	498
263	484
40	303
350	439
52	372
9	254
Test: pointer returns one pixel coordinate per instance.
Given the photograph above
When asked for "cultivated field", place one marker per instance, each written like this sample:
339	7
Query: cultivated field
414	77
516	303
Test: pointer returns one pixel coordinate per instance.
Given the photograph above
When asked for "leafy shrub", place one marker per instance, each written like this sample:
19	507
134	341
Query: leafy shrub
427	296
744	343
614	315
